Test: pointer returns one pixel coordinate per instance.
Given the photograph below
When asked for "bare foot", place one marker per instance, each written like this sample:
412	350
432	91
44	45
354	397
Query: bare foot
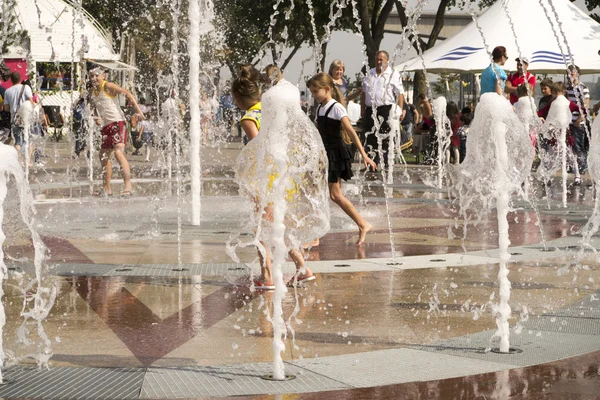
362	232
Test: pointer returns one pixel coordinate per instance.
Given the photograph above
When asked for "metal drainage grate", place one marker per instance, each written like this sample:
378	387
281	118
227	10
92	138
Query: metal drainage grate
516	254
548	249
393	263
269	377
179	269
511	350
437	260
123	269
342	265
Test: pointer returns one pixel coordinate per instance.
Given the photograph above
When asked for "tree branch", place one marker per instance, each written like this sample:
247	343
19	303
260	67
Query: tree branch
363	9
291	55
379	27
438	24
376	8
404	21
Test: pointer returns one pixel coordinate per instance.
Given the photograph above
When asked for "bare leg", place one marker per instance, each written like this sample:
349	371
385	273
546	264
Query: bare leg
456	155
122	160
335	193
106	169
298	259
266	276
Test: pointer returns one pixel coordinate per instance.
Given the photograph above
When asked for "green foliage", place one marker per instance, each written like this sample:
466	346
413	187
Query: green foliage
446	84
10	34
591	5
245	26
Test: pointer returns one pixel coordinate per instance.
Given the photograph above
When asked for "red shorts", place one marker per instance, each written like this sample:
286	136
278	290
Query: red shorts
113	134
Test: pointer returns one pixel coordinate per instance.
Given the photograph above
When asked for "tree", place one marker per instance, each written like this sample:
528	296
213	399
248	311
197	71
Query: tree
9	34
591	5
252	28
373	16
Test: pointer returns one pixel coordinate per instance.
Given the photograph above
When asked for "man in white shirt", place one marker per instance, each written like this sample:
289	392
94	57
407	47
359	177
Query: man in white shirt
382	88
14	96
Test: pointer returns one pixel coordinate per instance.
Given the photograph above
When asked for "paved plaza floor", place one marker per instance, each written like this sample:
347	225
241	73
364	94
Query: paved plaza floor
150	306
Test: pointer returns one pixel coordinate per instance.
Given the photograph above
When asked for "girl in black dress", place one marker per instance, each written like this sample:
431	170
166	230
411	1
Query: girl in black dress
333	124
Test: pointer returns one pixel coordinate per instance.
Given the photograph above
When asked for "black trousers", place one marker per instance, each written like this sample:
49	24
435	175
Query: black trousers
370	135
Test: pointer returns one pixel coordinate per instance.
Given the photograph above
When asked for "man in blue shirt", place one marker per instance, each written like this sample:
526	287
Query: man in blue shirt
493	78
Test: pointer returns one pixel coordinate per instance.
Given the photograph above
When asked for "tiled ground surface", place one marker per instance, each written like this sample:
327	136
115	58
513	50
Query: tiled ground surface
130	321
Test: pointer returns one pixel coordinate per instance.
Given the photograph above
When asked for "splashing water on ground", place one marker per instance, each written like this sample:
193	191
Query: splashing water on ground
497	165
284	169
37	299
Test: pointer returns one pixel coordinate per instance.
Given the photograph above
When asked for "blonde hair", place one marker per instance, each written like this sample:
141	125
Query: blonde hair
272	74
336	64
246	86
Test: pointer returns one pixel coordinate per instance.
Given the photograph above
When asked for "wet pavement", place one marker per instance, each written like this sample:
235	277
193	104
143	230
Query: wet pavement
164	304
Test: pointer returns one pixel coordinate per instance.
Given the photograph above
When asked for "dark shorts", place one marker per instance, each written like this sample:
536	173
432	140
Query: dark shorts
148	137
18	134
113	134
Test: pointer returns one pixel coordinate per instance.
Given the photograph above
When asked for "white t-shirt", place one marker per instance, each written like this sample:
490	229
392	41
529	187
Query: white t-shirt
337	112
353	112
148	126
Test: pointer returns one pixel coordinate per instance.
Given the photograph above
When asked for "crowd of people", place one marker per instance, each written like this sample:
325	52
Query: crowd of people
520	85
382	99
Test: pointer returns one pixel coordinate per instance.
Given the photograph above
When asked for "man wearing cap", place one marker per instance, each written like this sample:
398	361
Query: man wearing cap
518	78
493	78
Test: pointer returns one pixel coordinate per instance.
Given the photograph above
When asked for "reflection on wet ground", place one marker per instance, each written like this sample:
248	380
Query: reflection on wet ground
575	378
204	319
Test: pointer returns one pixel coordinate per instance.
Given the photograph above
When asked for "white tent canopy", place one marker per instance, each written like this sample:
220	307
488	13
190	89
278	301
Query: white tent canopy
55	36
534	34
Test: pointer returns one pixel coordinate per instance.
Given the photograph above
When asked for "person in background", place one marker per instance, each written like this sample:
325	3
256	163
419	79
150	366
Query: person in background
579	94
14	96
411	117
526	111
227	109
426	122
559	89
382	87
4	115
466	116
114	133
493	78
518	78
146	132
336	71
546	88
79	125
454	117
